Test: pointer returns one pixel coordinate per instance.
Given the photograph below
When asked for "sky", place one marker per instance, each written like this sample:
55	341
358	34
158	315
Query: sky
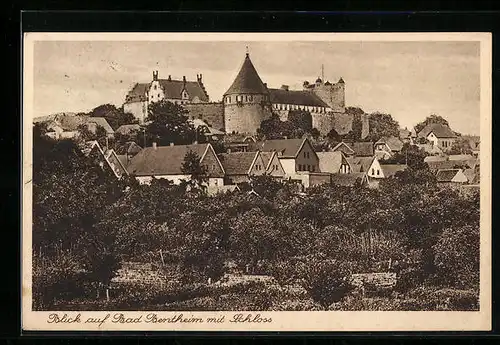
409	80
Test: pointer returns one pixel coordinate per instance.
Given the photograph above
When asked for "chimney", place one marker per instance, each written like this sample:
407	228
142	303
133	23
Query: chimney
154	145
169	78
171	144
285	87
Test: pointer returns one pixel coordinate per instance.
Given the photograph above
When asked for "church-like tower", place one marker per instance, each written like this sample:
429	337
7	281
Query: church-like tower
246	102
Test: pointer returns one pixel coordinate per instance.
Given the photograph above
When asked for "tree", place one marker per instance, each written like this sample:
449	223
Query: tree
169	124
193	167
382	125
99	134
430	119
113	115
411	155
300	119
460	146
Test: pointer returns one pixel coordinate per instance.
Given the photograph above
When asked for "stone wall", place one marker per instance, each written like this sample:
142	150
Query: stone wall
211	113
140	274
245	117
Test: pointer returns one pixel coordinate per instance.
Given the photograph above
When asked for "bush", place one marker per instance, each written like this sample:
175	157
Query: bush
457	257
57	278
327	281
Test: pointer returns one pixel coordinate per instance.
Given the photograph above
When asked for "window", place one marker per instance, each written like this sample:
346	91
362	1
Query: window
300	167
313	168
373	171
229	99
378	172
250	98
305	155
154	87
308	167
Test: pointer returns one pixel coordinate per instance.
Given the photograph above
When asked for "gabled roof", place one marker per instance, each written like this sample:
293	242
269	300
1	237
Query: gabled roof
164	160
460	157
267	158
286	148
395	144
173	89
331	161
471	175
247	81
446	175
439	130
360	164
404	133
101	121
347	180
361	148
343	146
238	163
138	93
391	169
130	148
280	96
453	164
128	129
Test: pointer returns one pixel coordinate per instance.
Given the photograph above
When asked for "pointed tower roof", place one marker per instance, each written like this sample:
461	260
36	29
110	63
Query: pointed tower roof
247	80
341	81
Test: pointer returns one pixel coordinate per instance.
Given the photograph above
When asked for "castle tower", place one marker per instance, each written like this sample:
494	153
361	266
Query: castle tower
331	94
246	102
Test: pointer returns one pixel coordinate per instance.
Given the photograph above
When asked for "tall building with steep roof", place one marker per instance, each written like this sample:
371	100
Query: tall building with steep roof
246	101
175	91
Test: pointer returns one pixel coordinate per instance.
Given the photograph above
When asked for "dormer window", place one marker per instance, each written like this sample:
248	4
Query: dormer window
155	87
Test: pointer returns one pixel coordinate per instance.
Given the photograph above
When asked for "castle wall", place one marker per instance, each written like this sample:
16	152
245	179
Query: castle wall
333	95
138	109
323	122
245	118
211	113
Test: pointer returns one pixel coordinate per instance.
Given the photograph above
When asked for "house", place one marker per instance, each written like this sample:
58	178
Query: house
472	175
295	155
333	162
166	162
298	160
349	180
451	176
434	166
215	190
241	166
430	149
273	165
105	158
182	91
65	125
128	130
405	136
386	147
127	151
359	149
367	165
209	132
389	170
438	135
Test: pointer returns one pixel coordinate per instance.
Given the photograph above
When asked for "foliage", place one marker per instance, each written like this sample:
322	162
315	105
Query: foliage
411	155
457	256
382	125
460	146
87	134
113	115
327	281
192	166
169	124
433	118
301	119
299	123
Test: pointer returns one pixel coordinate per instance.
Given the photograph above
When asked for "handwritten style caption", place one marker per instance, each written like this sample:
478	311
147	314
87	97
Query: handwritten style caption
154	318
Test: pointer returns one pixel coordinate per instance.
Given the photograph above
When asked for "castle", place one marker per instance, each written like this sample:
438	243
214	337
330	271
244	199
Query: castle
247	102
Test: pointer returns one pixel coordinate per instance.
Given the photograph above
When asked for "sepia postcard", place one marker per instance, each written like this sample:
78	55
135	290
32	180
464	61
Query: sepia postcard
256	182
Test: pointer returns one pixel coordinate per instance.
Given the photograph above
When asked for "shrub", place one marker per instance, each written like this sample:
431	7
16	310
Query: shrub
327	281
457	257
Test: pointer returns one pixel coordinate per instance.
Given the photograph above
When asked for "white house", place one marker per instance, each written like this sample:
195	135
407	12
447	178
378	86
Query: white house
165	162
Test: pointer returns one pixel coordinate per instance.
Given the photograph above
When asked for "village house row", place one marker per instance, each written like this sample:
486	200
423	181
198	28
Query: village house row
246	103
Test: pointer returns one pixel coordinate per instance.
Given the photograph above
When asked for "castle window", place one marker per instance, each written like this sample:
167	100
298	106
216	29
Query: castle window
250	98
